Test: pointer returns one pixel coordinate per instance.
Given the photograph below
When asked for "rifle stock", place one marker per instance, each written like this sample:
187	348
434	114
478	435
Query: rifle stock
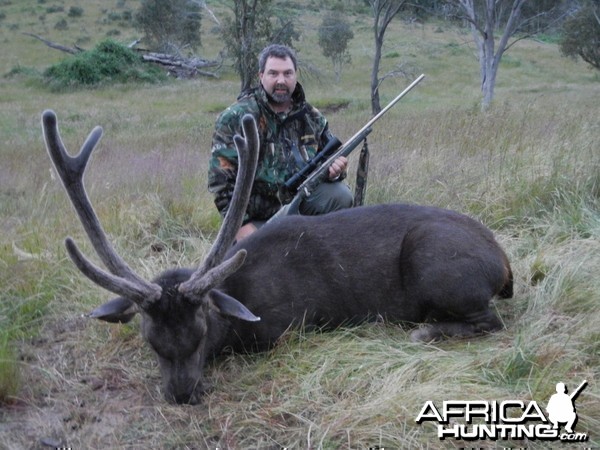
319	174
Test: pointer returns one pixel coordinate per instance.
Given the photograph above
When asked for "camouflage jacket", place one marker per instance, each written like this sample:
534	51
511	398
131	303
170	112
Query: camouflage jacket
287	141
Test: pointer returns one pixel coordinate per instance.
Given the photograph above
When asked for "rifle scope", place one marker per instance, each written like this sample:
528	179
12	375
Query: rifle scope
297	179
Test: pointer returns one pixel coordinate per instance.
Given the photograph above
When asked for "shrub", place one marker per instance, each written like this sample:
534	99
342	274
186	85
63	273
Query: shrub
75	11
109	62
169	26
62	24
54	9
581	34
334	35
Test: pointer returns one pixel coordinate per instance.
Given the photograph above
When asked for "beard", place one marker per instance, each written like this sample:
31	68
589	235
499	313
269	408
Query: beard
279	97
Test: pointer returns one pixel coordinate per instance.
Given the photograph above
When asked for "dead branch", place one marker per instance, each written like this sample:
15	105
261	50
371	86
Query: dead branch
183	67
54	45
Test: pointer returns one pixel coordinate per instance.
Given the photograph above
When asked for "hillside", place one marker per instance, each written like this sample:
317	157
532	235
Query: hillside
529	169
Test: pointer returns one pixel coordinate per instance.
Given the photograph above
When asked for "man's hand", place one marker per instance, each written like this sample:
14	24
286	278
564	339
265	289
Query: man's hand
245	231
338	167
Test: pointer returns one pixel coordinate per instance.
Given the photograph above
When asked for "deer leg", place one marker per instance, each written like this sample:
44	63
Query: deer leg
474	325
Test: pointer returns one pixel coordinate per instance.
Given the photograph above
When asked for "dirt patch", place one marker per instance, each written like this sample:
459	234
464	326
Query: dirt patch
76	392
334	107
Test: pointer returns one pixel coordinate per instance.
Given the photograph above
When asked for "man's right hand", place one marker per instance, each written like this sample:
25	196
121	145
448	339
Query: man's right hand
245	231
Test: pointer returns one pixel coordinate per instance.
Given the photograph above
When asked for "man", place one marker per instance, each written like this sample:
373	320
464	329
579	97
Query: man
561	409
291	132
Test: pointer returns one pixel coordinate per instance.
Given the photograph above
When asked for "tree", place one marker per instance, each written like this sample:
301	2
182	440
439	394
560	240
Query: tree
170	26
485	17
581	34
249	30
383	13
334	35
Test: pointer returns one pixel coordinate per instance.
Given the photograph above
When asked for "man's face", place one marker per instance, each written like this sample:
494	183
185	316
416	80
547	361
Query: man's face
279	80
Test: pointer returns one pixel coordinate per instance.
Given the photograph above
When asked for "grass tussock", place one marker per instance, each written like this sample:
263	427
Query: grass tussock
529	168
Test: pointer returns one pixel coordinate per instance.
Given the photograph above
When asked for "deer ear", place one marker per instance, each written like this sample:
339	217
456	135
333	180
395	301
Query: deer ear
117	310
229	306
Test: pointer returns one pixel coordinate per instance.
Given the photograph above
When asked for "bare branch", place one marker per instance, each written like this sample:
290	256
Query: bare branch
54	45
202	4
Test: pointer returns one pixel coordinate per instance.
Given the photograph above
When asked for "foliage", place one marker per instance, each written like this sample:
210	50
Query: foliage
170	26
334	35
254	25
109	62
581	34
75	11
528	168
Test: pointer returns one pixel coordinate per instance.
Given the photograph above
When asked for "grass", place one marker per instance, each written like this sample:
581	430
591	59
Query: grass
529	168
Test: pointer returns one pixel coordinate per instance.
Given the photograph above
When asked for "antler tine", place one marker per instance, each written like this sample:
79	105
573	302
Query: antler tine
115	284
209	275
248	149
71	170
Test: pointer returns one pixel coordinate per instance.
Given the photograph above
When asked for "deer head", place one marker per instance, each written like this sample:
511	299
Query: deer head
181	309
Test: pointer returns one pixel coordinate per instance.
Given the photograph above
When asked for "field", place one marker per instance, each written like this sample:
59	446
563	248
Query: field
529	169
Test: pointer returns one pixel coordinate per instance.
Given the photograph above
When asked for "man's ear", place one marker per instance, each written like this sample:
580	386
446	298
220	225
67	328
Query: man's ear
117	310
229	306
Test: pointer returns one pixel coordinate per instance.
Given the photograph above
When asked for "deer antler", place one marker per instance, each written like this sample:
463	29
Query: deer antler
214	270
122	280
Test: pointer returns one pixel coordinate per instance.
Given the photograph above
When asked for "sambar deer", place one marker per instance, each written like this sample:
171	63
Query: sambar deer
405	263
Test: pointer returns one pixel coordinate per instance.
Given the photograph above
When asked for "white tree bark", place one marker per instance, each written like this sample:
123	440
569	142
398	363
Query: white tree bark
483	22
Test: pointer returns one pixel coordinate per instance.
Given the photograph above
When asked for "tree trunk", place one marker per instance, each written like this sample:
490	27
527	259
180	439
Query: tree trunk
383	13
375	102
483	24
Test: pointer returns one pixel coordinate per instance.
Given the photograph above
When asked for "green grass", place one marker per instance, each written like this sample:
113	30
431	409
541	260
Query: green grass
529	168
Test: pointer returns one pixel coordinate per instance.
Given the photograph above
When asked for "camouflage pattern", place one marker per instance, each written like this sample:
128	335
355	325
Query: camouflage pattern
287	140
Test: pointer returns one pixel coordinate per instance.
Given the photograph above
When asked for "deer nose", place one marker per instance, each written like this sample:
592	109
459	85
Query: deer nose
188	393
187	399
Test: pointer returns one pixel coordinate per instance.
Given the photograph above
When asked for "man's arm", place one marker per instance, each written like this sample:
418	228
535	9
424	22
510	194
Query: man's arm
223	163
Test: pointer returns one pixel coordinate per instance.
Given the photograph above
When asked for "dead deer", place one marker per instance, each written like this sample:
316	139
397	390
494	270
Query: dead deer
405	263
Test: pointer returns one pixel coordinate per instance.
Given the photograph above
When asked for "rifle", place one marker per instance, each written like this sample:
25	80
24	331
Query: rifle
577	391
316	171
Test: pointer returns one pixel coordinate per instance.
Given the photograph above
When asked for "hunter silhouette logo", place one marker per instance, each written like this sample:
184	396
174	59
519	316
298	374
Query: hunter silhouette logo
508	419
561	406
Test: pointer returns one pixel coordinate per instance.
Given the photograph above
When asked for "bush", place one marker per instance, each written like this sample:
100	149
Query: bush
62	24
334	35
169	26
75	11
109	62
54	9
581	34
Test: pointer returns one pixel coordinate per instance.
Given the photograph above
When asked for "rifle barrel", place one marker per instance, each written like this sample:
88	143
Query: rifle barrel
578	390
356	139
390	105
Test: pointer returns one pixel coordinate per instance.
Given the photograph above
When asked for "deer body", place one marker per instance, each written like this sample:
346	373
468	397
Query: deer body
405	263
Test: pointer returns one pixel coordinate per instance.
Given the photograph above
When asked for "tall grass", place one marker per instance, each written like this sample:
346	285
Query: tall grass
529	168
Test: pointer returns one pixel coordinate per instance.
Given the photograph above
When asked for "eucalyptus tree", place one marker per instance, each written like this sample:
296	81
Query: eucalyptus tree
170	26
253	25
335	33
383	13
486	18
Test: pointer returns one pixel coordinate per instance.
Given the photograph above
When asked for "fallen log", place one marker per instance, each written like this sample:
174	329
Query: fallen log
176	65
183	67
